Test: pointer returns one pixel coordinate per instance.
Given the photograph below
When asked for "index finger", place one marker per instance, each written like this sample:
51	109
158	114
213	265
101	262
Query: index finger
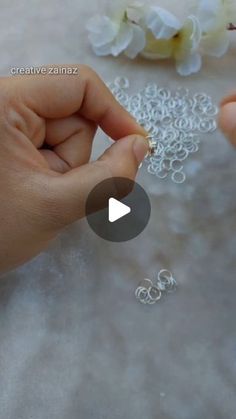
59	96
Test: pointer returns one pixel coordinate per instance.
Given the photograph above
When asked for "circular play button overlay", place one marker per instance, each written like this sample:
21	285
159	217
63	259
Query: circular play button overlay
118	209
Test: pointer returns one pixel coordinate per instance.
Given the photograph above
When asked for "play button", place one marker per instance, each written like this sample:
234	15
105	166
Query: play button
118	209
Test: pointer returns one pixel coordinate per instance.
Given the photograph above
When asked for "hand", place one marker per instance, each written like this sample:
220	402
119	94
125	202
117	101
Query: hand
227	118
47	126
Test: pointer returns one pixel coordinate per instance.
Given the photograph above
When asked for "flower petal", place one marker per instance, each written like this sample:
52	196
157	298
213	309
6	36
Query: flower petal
135	12
190	65
137	43
210	14
102	30
215	44
188	41
163	24
230	9
97	24
102	50
122	40
196	32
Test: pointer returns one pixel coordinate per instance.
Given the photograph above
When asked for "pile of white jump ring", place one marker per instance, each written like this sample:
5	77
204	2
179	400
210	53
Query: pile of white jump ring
148	292
175	121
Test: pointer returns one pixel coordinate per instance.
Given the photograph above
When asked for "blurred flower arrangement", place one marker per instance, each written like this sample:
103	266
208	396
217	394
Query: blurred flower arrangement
155	33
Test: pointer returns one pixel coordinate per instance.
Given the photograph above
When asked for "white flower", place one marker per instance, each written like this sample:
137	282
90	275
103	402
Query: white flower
183	47
155	33
214	18
109	36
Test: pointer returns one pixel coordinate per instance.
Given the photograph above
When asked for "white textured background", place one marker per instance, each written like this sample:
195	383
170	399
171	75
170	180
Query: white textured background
74	343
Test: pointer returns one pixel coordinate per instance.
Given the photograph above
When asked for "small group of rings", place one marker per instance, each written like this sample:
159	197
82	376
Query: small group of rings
149	293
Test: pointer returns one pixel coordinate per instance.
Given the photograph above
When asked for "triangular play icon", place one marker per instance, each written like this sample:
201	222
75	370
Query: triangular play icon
117	210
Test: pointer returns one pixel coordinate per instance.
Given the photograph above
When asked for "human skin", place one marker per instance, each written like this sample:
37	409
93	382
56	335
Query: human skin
227	117
47	127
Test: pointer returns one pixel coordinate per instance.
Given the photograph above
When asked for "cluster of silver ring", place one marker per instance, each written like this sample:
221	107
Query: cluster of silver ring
175	121
148	292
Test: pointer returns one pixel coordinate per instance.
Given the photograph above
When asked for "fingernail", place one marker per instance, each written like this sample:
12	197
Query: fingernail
140	148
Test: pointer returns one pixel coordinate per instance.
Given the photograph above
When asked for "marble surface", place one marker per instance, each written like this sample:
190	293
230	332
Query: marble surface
74	343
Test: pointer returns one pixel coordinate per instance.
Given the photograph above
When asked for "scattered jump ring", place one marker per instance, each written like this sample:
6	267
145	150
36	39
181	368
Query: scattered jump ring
154	293
178	177
166	281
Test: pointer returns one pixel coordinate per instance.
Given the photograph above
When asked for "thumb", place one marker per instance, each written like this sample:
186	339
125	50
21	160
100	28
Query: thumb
69	192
